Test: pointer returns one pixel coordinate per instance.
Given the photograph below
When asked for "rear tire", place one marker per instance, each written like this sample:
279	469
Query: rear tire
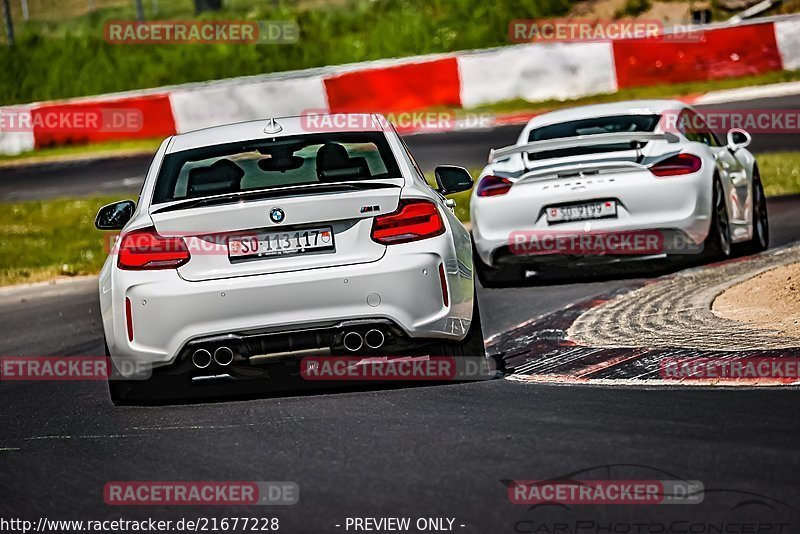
493	277
119	390
472	345
125	392
760	239
718	243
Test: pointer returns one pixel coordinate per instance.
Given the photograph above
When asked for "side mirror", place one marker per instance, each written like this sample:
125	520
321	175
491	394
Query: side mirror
115	216
451	179
738	138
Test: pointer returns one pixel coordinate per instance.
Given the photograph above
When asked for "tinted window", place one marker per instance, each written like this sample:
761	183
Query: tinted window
265	164
593	126
694	127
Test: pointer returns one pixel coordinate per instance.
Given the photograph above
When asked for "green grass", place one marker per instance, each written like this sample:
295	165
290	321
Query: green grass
40	240
109	149
64	54
70	57
780	173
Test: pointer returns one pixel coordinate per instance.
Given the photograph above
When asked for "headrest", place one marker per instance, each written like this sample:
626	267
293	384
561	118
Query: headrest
223	176
333	163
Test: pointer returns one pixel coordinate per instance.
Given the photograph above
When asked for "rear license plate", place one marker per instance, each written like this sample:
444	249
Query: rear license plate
580	212
281	243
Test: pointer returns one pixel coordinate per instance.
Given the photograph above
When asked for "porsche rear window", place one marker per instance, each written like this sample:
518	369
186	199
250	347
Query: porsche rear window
264	164
592	126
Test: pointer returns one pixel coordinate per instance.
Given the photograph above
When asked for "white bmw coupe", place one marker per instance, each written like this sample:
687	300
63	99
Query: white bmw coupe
269	240
615	182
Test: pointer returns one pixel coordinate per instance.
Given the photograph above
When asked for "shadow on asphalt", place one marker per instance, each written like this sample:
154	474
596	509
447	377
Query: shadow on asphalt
279	388
552	275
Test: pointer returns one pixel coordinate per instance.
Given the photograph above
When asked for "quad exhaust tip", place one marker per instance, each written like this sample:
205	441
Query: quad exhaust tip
223	356
374	338
353	341
201	358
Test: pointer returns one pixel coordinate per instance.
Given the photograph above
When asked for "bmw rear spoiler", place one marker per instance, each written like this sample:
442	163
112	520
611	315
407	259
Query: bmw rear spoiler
635	138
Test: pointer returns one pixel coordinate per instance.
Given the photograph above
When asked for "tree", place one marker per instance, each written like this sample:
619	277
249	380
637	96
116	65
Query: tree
9	22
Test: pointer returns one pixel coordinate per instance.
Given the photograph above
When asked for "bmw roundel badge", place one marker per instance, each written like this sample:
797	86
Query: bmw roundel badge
277	215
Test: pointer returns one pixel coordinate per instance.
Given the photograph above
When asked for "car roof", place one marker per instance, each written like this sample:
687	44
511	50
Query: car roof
269	128
628	107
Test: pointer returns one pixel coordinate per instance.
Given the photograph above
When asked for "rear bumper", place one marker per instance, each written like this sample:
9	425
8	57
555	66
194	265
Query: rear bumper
169	312
679	207
662	243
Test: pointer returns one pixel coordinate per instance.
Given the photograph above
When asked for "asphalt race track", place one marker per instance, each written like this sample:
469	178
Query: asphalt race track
417	451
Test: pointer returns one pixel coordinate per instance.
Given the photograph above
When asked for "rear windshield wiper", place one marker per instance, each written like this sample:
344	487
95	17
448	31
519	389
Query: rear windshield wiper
244	196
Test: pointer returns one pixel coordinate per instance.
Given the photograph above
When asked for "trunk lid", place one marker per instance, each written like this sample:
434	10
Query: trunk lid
345	209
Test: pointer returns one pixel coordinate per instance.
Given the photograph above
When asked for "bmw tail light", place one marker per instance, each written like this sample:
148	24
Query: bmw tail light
492	186
677	165
413	220
145	249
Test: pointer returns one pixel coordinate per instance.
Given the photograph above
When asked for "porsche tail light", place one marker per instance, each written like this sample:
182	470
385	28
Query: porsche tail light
145	249
677	165
413	220
492	186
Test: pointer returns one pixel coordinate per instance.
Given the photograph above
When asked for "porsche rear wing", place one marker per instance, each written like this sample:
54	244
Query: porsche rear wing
581	140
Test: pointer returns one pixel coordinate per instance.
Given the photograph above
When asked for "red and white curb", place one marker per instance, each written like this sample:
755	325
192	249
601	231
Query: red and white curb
649	382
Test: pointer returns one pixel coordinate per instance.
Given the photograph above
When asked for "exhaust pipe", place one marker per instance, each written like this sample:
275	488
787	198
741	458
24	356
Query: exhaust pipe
374	338
223	356
353	341
201	358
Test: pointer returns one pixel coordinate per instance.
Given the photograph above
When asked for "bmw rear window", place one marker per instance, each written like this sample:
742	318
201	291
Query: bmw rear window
265	164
